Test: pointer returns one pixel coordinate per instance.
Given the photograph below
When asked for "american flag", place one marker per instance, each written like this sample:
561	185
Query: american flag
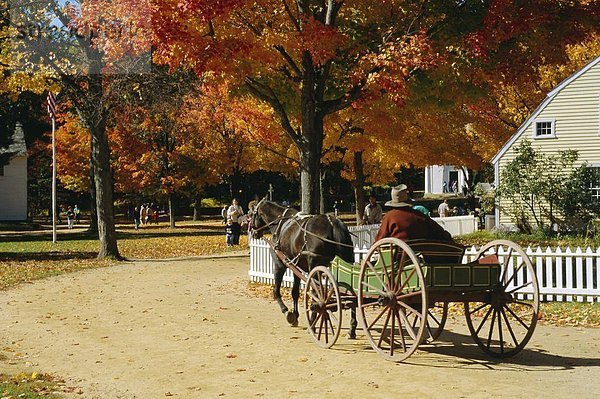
51	105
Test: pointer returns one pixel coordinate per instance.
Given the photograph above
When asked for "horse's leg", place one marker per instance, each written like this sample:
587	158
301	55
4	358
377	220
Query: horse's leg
292	317
353	324
278	274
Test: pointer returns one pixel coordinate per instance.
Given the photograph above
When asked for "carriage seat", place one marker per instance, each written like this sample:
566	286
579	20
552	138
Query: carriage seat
438	252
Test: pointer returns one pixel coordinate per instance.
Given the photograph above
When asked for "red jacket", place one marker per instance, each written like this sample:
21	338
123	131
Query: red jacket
407	224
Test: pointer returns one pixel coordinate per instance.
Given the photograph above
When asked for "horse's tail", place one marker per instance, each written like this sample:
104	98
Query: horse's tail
341	234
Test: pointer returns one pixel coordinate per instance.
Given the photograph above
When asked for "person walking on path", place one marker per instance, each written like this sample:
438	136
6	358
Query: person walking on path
77	214
373	211
405	223
143	213
136	218
70	217
444	209
236	213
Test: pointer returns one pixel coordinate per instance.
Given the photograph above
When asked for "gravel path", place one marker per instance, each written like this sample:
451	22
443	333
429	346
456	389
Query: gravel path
188	329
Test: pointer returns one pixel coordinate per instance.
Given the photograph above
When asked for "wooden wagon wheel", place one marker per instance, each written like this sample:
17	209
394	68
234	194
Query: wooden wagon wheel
323	307
391	291
503	324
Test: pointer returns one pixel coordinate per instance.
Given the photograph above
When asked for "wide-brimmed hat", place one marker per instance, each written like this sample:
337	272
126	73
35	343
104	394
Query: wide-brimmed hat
399	196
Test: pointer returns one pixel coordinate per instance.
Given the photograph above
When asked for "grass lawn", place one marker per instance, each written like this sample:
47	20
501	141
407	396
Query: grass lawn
29	256
31	386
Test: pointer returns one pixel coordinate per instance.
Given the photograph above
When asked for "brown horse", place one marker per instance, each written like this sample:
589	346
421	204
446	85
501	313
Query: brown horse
307	240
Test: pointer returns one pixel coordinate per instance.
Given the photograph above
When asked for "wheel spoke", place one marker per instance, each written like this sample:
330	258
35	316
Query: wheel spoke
517	317
483	321
409	329
314	298
331	316
519	287
514	274
411	310
321	327
376	274
387	275
399	271
330	293
402	340
510	330
489	341
325	317
377	318
312	283
505	264
392	333
315	319
478	308
409	295
387	319
374	288
399	290
500	332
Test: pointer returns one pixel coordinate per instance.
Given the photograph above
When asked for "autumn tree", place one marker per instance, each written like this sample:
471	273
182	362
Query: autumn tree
307	60
85	48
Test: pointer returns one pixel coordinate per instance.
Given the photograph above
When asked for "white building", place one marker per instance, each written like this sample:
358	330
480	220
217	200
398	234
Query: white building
437	175
568	118
13	179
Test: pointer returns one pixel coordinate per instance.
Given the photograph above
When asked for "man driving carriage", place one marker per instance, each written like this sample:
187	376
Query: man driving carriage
405	223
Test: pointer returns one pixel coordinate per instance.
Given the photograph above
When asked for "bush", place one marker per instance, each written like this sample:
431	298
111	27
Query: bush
551	190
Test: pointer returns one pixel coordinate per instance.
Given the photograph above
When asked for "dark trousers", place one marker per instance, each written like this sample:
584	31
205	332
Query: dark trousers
235	230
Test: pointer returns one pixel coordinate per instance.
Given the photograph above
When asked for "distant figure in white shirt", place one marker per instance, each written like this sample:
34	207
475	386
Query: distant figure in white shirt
444	209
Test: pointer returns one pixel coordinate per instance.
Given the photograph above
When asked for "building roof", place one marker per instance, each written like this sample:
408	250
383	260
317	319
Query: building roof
18	146
549	97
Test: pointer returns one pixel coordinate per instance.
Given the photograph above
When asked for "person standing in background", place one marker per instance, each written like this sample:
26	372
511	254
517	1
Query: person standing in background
373	211
136	218
235	212
444	209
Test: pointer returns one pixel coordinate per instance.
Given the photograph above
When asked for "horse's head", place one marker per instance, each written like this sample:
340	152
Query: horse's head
257	223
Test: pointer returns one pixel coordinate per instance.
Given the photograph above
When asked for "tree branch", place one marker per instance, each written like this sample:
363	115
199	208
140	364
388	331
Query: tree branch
289	13
288	59
258	89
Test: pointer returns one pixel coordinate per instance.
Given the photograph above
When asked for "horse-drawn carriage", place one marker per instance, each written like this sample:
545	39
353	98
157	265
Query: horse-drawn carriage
401	291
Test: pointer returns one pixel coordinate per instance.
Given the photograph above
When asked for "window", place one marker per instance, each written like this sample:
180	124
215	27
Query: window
595	182
1	170
543	128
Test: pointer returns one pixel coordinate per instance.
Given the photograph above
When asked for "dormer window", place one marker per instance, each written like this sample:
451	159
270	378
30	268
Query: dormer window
543	128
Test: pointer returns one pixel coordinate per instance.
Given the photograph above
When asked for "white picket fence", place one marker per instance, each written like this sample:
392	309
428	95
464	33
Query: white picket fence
563	275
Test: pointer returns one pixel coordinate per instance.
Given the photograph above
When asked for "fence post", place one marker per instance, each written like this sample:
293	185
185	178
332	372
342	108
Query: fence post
589	273
579	272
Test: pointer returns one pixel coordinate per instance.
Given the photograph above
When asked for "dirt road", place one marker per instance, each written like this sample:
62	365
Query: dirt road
184	329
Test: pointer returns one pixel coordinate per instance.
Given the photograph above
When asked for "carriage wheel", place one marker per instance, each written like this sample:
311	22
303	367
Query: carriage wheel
392	299
503	324
323	307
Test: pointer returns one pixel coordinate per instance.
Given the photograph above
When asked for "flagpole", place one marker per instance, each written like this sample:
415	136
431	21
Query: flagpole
53	179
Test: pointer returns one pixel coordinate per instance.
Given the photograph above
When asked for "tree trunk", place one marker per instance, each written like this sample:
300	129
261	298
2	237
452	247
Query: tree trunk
171	211
312	140
321	190
197	204
359	186
107	234
93	229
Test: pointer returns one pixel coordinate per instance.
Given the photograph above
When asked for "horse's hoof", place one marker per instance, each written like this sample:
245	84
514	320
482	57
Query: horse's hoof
292	319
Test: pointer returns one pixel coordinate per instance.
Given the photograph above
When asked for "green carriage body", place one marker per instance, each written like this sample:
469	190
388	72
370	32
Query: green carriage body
439	273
